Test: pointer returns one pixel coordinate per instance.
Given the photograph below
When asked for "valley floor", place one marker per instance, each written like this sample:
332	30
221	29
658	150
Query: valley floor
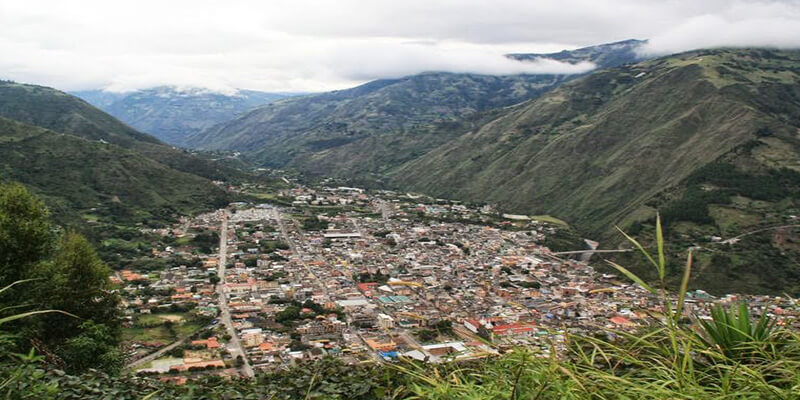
373	277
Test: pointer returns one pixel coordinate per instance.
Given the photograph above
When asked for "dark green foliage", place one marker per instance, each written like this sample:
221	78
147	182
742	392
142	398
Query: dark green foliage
293	311
530	285
564	239
734	333
96	346
693	206
269	246
427	335
205	241
65	274
366	277
324	379
727	180
75	280
25	232
444	327
769	187
314	224
289	313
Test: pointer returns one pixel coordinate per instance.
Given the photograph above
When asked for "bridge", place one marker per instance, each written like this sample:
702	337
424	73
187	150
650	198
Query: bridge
561	253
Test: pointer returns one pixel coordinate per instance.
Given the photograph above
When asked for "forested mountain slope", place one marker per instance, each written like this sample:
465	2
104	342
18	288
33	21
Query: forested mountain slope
81	177
373	128
61	112
89	166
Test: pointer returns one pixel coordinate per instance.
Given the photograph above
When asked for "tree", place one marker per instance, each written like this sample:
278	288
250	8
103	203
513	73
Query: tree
96	346
426	335
26	235
67	275
444	327
76	281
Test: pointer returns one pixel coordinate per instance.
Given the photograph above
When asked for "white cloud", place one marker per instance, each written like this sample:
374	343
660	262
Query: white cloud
304	45
742	24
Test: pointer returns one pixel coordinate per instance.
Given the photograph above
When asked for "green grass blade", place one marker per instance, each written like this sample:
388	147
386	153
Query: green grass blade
684	285
662	263
32	313
631	276
17	283
638	246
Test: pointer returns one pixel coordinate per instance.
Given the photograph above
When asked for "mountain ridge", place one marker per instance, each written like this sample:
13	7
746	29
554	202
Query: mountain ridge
170	112
81	159
305	132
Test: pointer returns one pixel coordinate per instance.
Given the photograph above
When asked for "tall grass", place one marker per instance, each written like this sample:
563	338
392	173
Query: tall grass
727	357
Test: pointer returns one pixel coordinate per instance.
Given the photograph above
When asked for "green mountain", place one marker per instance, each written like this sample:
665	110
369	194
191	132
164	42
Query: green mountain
61	112
90	167
171	113
708	137
374	127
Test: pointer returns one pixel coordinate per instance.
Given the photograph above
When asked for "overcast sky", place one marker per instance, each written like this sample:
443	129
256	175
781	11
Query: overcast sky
301	45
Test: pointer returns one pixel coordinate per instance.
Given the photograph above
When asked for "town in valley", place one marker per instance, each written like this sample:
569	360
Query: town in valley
369	276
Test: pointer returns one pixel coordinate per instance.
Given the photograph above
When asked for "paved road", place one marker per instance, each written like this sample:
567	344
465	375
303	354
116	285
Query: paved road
297	250
234	345
152	356
592	251
735	238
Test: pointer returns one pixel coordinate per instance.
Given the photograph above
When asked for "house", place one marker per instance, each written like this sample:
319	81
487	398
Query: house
210	343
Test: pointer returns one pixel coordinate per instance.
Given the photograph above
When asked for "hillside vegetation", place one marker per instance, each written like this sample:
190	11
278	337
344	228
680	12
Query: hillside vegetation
372	128
92	170
61	112
79	176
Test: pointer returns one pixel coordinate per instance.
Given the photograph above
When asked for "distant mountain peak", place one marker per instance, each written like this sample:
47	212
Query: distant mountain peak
171	112
603	55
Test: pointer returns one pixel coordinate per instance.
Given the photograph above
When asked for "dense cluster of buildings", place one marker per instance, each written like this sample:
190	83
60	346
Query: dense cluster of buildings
375	277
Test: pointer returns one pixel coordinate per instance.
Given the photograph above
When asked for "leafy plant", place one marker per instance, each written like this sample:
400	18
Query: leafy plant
733	332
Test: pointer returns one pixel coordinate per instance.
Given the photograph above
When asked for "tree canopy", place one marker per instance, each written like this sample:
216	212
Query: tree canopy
55	270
